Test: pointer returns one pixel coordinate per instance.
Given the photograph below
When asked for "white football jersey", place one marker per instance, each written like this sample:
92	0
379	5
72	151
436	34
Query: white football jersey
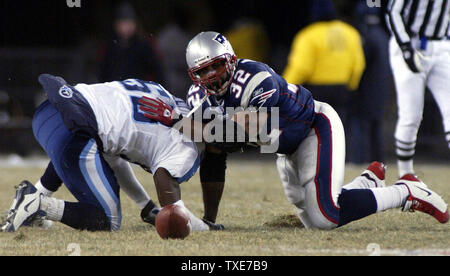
127	133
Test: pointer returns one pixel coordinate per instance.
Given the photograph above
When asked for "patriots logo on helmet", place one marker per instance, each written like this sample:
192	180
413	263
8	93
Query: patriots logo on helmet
220	38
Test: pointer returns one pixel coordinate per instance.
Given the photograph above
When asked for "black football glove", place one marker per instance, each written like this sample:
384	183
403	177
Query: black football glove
213	226
150	212
409	57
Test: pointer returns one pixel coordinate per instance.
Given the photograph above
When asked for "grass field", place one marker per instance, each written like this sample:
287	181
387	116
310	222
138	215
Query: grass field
258	218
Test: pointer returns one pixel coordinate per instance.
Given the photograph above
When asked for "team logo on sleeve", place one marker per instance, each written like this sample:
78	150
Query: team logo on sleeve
66	92
263	97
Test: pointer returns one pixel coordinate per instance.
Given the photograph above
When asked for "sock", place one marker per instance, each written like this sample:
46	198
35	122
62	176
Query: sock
356	204
82	216
54	208
197	224
51	180
405	167
361	182
41	189
390	197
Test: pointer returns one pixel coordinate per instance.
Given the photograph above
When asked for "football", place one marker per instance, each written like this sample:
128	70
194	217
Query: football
173	222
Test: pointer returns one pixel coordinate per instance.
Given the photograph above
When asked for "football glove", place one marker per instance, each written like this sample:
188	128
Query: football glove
157	110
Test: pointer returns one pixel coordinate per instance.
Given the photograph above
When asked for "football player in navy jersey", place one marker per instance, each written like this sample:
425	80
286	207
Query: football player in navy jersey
311	142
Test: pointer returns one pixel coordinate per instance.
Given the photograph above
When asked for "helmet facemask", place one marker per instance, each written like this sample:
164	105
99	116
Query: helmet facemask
215	75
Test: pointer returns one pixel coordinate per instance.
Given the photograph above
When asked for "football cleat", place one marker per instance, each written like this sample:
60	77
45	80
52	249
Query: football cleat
422	199
376	172
26	208
39	221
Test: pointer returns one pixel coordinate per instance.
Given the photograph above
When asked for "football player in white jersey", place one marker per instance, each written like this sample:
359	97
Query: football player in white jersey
92	133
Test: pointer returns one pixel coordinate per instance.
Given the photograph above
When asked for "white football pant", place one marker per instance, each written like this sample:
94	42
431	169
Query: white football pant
313	176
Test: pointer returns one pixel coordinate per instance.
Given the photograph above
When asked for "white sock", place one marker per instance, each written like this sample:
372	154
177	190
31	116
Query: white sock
405	167
196	223
360	182
390	197
41	189
53	207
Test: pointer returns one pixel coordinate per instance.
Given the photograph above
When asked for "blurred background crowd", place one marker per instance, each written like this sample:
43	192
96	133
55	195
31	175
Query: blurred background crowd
114	40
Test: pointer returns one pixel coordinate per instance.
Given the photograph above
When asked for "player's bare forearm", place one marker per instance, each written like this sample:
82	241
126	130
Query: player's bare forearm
167	188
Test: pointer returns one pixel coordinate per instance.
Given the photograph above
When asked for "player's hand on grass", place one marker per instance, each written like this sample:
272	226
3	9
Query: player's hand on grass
213	226
157	110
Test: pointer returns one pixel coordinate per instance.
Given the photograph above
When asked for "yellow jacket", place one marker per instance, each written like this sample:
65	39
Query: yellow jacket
326	53
249	41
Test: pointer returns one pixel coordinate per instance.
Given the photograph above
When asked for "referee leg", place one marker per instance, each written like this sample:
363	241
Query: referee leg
410	89
438	84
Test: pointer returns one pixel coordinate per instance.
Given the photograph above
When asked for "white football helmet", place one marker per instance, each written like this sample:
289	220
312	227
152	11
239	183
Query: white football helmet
211	61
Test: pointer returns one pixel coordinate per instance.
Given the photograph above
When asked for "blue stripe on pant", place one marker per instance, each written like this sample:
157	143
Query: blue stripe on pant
324	169
79	163
191	172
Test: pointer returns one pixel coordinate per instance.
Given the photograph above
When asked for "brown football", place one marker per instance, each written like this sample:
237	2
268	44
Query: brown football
173	222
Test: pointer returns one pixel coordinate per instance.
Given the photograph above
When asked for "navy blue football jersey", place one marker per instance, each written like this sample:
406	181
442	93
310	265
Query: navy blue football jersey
256	85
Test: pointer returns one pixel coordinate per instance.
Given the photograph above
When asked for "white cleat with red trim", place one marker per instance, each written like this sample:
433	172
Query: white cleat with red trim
422	199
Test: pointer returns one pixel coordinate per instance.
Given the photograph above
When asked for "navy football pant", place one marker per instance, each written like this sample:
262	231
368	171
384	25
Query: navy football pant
80	165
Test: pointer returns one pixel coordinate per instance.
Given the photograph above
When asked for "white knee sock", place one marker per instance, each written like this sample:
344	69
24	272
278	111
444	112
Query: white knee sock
390	197
360	182
53	207
405	167
41	189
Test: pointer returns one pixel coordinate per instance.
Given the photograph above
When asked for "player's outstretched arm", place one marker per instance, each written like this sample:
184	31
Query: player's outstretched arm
157	110
168	190
133	188
128	181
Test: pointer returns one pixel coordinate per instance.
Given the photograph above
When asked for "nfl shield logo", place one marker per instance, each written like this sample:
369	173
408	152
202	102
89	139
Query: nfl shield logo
65	92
